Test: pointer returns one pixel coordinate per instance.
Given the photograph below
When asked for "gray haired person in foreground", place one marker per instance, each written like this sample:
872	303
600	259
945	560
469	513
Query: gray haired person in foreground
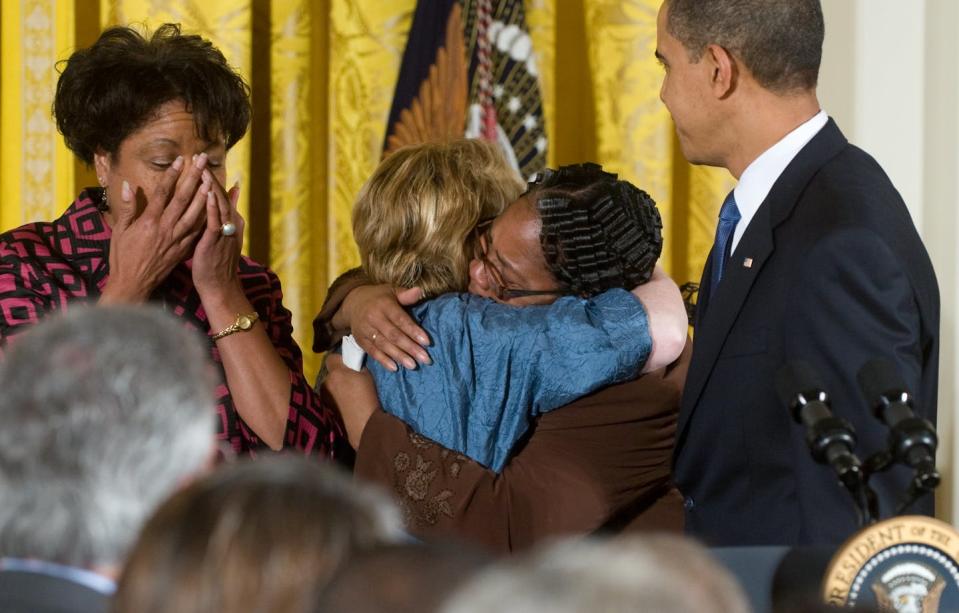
104	412
642	573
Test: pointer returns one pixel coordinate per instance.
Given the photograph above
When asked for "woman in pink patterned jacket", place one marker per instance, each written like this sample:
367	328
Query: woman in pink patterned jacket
155	117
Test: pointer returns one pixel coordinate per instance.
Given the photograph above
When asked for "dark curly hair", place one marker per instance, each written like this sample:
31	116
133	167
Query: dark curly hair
597	232
109	90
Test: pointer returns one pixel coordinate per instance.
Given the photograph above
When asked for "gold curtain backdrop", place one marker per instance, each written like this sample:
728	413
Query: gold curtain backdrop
322	74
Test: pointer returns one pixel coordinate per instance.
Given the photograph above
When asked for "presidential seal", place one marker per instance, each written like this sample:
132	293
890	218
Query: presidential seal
906	564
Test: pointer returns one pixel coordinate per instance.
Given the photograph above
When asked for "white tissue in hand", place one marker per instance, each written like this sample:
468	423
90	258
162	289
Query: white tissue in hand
353	355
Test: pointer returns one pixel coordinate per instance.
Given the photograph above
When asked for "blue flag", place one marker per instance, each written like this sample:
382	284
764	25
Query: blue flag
469	70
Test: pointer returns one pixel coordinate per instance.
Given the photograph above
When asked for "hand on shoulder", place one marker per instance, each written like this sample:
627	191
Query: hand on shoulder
668	322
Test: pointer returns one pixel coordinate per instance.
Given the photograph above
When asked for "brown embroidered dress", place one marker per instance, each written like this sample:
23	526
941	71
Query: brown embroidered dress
46	267
601	463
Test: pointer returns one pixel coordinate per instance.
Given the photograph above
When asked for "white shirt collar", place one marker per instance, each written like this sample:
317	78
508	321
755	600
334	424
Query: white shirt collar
87	578
758	178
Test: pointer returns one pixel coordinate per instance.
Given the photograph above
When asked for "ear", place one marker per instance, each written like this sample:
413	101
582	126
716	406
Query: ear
724	70
479	276
101	164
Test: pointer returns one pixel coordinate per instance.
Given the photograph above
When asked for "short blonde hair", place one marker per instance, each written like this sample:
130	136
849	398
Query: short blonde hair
413	218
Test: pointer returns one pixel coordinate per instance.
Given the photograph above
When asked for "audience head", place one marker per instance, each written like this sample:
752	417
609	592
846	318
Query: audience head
576	231
402	578
413	219
105	411
653	574
260	535
778	41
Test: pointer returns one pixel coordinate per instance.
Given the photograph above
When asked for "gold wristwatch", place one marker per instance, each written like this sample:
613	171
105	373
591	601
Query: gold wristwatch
242	323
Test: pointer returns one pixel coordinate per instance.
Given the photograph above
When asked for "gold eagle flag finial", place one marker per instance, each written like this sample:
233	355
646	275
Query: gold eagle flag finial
439	110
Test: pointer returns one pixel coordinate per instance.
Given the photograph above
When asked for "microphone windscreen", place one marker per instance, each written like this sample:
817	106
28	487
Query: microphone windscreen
796	377
879	377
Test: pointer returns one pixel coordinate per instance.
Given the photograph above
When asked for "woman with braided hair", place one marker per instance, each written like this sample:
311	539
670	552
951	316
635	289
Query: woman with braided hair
597	232
499	366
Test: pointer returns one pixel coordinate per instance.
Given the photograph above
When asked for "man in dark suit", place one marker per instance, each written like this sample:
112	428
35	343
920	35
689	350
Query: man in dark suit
816	258
105	412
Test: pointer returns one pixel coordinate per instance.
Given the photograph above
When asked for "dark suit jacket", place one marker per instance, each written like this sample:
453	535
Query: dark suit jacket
601	463
838	275
30	592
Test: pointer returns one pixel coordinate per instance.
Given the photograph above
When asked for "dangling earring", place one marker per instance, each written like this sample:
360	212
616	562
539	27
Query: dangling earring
104	205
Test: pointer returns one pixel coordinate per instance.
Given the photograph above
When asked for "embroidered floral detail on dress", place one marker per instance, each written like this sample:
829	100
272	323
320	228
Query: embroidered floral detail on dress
418	480
413	478
420	442
438	505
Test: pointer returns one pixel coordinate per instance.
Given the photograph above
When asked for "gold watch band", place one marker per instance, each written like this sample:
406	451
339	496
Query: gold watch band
242	323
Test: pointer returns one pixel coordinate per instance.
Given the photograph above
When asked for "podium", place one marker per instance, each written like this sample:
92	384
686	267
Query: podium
906	563
771	577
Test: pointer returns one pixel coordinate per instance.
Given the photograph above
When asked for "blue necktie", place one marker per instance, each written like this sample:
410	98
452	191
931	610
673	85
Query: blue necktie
728	218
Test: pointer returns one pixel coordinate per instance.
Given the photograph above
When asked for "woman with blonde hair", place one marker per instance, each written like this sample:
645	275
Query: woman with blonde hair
414	217
501	365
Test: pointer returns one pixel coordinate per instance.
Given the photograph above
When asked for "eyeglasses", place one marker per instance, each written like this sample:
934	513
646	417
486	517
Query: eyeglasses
484	238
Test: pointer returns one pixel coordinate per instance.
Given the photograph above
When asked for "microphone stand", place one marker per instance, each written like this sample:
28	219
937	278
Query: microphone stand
824	438
912	439
832	440
925	479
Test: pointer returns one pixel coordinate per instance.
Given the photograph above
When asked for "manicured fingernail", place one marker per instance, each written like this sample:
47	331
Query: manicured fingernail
125	192
200	161
425	359
422	339
207	176
409	364
236	186
178	163
392	367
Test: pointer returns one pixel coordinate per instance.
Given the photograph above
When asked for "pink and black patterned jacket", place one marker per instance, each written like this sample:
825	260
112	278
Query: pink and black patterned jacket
46	267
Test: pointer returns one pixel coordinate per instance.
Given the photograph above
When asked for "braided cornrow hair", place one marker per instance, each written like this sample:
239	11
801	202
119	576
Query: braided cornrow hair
598	232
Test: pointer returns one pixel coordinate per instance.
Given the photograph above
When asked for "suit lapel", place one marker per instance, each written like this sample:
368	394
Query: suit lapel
713	327
757	245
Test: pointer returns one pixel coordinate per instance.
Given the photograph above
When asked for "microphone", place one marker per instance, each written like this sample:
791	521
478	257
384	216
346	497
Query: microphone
831	439
912	439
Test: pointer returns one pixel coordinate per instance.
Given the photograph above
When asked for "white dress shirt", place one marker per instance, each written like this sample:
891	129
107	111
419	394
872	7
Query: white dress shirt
87	578
759	177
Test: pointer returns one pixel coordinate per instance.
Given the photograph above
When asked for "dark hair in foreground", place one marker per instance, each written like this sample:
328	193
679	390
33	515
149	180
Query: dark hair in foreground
261	535
109	90
779	41
597	232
